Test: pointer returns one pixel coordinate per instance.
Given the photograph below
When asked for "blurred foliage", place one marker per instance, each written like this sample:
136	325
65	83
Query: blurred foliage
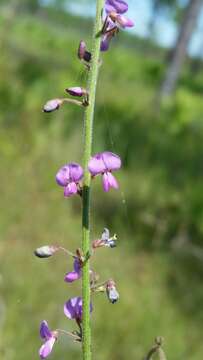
158	213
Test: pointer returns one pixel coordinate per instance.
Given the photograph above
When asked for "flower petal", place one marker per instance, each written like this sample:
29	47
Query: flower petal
72	276
46	348
96	164
119	6
70	189
105	182
105	42
44	330
109	181
111	161
76	172
124	21
63	175
71	307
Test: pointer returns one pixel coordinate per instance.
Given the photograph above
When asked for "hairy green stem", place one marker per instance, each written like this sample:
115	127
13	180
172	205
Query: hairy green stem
88	133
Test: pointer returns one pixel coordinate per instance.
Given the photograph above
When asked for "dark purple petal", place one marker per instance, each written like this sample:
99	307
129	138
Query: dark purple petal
112	161
119	6
76	91
70	189
46	348
73	308
52	105
77	265
109	181
63	176
105	42
44	330
96	165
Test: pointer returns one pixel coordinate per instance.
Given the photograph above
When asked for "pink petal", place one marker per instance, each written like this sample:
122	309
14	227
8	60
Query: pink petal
96	164
46	348
70	189
72	276
111	161
63	175
109	181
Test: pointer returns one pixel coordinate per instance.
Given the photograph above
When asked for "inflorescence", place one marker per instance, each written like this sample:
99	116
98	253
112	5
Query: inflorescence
70	177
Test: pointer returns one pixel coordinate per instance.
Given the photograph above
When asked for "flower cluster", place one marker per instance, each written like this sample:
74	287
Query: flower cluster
73	307
70	175
70	178
114	21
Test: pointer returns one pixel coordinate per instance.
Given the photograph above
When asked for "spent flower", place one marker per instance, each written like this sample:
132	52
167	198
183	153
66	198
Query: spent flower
111	291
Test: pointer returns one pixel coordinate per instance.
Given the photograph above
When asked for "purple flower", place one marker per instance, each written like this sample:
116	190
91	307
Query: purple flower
69	176
76	91
118	6
52	105
73	309
104	163
49	338
76	274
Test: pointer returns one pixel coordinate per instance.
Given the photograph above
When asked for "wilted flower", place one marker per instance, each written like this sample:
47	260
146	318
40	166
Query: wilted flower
46	251
52	105
119	6
104	163
105	240
69	176
49	338
73	309
76	91
111	291
76	274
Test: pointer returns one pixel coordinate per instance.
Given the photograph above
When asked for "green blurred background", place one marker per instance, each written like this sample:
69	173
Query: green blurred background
157	213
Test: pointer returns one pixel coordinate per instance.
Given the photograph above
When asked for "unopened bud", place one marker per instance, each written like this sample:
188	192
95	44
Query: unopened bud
83	54
76	91
45	251
111	291
52	105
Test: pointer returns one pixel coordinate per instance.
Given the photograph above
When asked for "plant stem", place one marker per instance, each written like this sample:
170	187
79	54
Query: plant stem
88	134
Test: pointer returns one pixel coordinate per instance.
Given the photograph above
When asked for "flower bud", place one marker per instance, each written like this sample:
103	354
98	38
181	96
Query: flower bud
45	251
52	105
76	91
83	54
111	291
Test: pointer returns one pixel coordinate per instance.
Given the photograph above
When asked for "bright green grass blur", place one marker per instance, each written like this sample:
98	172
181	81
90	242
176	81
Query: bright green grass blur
159	202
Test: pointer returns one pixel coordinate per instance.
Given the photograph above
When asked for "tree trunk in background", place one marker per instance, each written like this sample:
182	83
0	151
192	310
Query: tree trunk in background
186	30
